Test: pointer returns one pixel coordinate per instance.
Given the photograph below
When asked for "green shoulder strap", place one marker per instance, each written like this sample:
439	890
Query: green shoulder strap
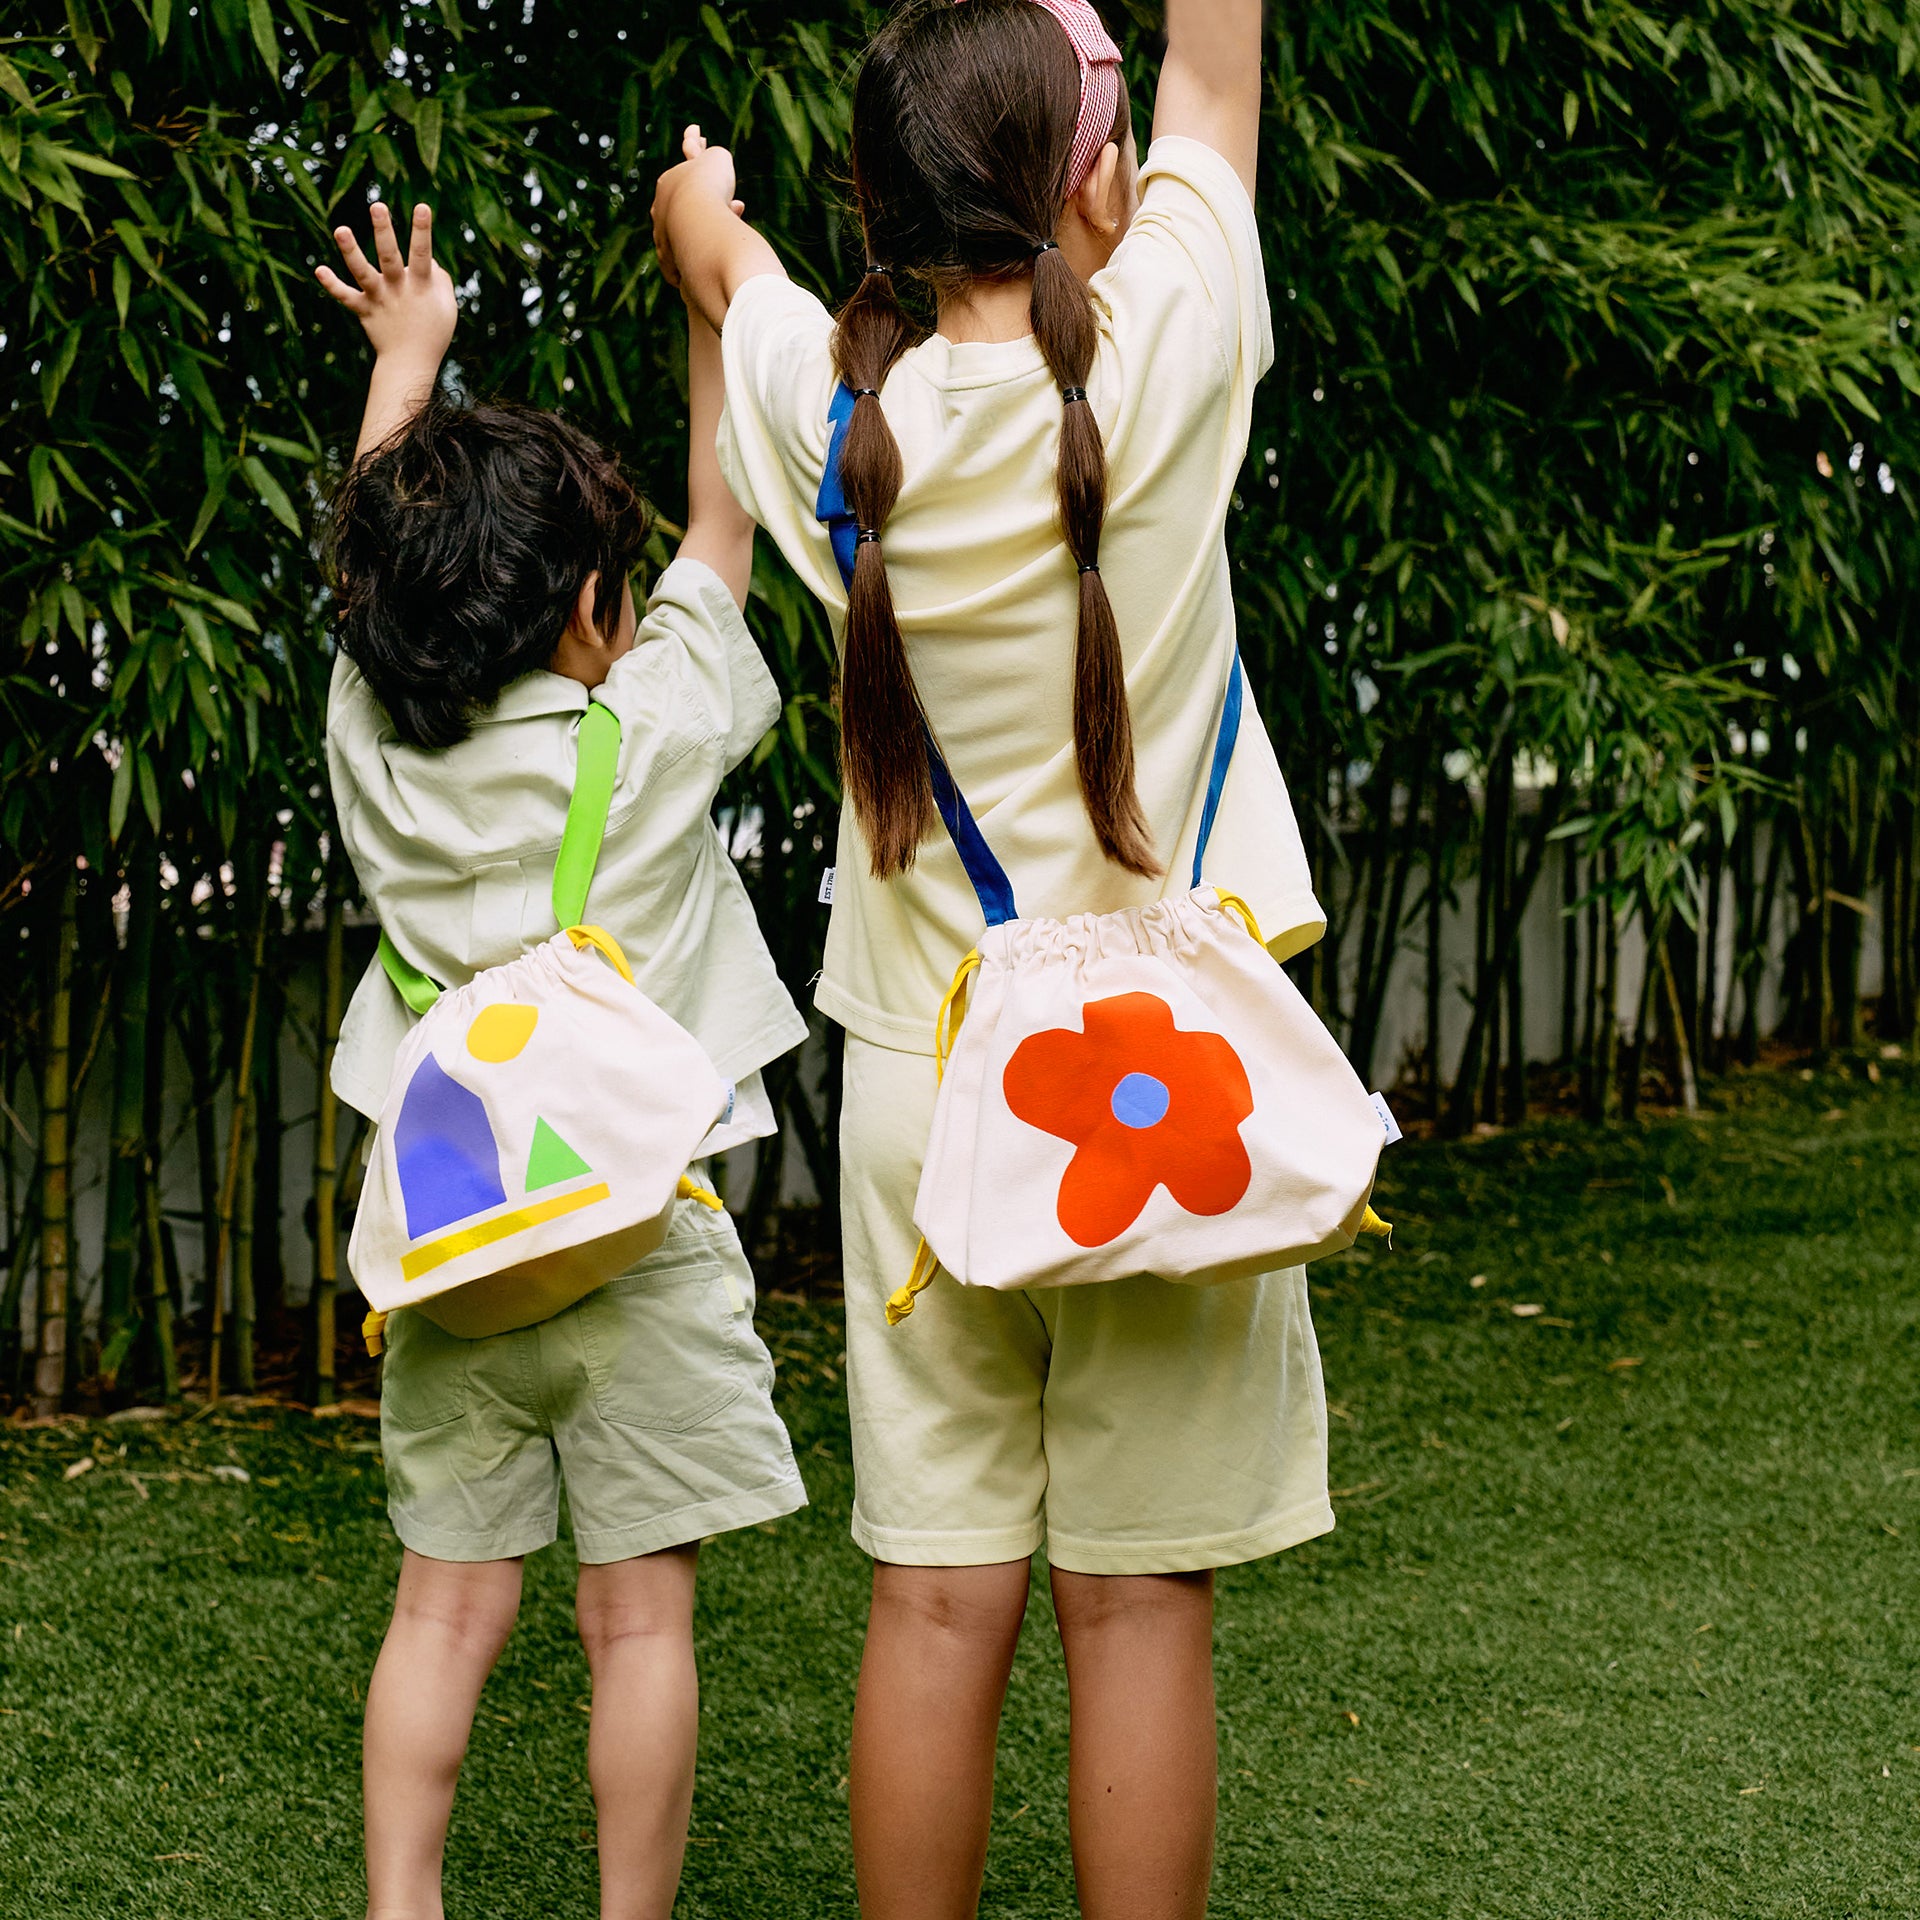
599	762
594	774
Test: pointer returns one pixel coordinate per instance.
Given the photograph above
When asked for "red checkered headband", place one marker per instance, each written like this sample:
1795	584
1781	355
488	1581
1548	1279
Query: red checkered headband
1099	62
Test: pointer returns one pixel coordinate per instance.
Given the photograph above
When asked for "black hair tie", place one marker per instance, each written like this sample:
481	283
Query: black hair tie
872	392
864	536
1092	566
875	267
1068	395
1046	246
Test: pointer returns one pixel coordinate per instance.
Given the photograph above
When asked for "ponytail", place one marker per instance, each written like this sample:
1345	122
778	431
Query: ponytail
1064	327
883	729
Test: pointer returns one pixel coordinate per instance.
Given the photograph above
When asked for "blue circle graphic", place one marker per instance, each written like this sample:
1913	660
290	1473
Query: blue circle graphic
1140	1101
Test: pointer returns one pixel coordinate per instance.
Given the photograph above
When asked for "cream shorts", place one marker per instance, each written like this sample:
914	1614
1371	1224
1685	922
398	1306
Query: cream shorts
650	1398
1132	1426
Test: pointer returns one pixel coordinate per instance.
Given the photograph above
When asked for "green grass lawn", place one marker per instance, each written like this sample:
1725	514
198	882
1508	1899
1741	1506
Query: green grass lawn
1620	1617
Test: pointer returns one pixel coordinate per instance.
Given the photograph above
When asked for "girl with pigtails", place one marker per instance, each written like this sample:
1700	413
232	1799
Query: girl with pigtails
1005	468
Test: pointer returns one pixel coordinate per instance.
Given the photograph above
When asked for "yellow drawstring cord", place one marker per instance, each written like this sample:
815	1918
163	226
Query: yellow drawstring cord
946	1029
704	1195
900	1301
953	1009
1233	904
1370	1222
373	1330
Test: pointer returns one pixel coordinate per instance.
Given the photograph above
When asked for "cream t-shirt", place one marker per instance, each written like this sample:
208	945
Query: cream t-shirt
455	848
987	594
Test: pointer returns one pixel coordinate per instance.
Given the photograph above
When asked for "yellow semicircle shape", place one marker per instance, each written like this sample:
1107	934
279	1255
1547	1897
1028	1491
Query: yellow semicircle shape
500	1031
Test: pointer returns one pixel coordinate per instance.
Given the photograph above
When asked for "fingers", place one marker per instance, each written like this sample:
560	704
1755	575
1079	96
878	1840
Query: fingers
386	248
420	245
693	143
357	262
349	297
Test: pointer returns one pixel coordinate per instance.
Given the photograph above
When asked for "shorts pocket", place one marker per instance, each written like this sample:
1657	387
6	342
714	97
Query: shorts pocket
423	1381
660	1349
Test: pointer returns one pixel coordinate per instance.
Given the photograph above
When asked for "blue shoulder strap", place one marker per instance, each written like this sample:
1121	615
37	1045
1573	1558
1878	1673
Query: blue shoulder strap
990	883
1223	743
989	877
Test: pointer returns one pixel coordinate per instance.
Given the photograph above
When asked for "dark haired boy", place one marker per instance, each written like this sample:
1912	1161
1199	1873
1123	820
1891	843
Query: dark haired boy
481	557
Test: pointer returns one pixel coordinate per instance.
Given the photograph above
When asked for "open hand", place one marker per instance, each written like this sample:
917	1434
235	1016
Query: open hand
706	169
407	307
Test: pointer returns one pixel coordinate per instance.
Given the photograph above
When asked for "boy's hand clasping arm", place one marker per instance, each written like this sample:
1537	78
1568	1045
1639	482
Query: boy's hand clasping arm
408	310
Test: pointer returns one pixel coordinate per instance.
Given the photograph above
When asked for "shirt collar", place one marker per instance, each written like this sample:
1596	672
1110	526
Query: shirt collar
535	695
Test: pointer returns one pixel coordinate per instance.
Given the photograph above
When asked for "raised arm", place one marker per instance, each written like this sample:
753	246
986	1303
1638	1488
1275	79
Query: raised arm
705	248
1210	81
719	530
408	310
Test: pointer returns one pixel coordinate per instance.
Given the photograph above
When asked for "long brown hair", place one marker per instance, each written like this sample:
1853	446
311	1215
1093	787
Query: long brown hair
963	122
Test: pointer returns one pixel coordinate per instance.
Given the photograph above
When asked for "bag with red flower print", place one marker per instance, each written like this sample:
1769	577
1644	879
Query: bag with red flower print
1141	1092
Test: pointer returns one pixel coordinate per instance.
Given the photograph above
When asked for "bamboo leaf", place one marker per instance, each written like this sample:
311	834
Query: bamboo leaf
271	492
427	123
260	24
121	796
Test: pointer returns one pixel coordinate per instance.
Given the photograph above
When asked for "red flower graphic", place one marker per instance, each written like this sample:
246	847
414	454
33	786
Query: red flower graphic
1146	1105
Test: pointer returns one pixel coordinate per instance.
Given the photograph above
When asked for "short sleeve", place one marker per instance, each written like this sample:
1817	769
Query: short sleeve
1191	253
778	349
693	675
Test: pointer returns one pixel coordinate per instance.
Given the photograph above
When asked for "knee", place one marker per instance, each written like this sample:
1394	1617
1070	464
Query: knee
610	1626
467	1609
969	1606
1088	1603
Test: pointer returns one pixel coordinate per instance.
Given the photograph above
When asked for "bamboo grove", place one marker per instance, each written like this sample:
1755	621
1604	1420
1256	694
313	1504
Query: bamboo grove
1576	539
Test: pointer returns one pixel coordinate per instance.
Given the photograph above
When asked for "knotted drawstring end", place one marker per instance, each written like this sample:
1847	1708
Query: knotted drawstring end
919	1279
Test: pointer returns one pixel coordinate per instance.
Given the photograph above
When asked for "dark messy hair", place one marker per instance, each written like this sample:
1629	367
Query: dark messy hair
458	548
963	125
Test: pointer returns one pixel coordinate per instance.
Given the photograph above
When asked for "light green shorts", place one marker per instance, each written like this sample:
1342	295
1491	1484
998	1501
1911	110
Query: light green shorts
651	1398
1131	1426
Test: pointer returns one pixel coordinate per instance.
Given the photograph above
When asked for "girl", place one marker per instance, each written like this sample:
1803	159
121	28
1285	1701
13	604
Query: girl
1040	585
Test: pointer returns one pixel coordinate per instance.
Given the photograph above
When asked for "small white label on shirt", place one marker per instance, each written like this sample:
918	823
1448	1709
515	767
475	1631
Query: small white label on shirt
826	886
1386	1116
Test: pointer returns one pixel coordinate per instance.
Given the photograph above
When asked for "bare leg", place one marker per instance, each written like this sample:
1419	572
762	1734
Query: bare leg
940	1644
1141	1780
636	1623
450	1621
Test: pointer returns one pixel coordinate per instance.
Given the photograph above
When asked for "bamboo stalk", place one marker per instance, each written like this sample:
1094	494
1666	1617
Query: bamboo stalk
1569	952
56	1246
159	1292
1689	1086
243	1245
119	1318
236	1128
326	1157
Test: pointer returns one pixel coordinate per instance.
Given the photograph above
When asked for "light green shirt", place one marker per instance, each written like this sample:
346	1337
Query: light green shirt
455	847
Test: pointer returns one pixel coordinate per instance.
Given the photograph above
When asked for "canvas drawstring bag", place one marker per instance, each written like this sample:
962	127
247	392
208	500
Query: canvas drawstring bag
540	1120
1140	1092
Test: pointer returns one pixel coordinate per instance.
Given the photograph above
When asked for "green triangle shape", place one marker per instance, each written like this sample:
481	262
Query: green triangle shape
550	1160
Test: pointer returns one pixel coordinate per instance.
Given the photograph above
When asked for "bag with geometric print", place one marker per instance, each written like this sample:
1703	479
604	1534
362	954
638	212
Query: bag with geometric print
540	1120
1141	1092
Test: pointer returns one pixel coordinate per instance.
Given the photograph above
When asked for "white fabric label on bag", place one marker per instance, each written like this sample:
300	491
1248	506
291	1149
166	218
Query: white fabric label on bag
826	886
1386	1117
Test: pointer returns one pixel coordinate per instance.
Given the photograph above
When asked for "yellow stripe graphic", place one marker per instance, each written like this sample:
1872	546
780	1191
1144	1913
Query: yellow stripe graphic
436	1253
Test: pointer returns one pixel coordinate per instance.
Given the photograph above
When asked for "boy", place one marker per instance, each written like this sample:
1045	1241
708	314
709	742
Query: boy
481	560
